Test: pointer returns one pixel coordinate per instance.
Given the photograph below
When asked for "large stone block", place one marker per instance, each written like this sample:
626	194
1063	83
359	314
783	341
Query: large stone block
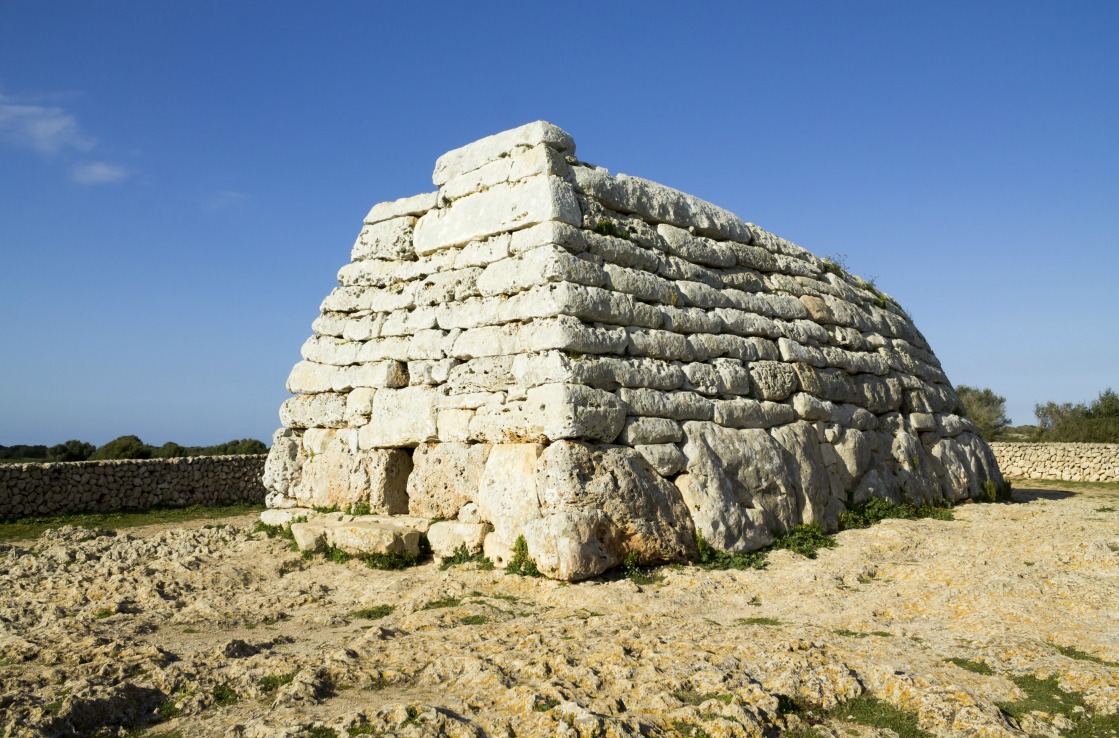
401	417
499	146
445	476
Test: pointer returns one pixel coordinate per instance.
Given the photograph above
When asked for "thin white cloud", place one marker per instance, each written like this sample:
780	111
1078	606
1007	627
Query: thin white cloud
225	199
98	172
46	130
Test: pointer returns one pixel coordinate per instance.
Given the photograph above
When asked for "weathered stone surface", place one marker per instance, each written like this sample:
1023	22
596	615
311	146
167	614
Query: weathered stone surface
415	205
445	477
507	495
283	468
327	410
448	536
402	417
390	239
501	145
599	505
772	380
342	478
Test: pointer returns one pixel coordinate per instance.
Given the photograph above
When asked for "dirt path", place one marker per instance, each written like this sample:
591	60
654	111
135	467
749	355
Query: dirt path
912	625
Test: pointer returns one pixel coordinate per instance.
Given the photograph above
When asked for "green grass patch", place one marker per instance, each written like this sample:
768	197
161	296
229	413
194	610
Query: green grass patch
521	563
1072	653
271	683
859	634
997	492
1105	509
102	613
979	667
373	613
610	228
474	620
772	622
877	509
639	574
224	694
710	558
1068	486
805	540
871	711
463	555
318	731
445	602
16	529
544	704
389	561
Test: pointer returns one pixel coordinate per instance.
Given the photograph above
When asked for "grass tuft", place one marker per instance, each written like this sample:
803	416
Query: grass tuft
521	563
877	509
979	667
373	613
16	529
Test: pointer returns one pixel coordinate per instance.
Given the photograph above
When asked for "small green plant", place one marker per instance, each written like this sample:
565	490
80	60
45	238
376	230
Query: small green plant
168	709
102	612
610	228
361	508
877	509
462	555
520	562
269	684
362	729
373	613
710	558
772	622
755	601
485	564
335	554
859	634
445	602
389	561
317	731
997	492
544	704
636	573
1072	653
474	620
224	694
684	729
805	540
979	667
1105	509
835	264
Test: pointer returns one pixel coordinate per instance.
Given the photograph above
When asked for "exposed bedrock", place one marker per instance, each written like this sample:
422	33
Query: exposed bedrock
606	366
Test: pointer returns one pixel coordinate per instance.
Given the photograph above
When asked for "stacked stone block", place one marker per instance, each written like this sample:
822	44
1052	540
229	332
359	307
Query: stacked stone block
606	365
1070	462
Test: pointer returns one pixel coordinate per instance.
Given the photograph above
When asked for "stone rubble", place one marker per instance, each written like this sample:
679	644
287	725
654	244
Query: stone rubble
687	372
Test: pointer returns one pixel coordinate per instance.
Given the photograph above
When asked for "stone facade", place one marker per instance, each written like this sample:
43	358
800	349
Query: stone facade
1070	462
605	365
108	486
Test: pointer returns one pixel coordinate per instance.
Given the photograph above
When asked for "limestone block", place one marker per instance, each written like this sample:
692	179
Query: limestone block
743	278
701	295
695	249
917	479
544	264
575	411
673	405
705	346
550	232
854	451
660	204
286	516
657	343
753	257
600	504
746	413
922	421
330	350
571	334
368	537
309	536
337	478
282	468
642	285
484	252
649	431
701	378
731	377
359	406
736	486
326	410
389	239
690	320
748	324
877	394
501	145
364	328
448	536
445	477
401	417
666	458
430	345
522	164
507	497
453	424
852	362
430	372
801	447
623	253
853	416
389	374
808	407
484	374
307	377
330	324
415	205
500	209
451	286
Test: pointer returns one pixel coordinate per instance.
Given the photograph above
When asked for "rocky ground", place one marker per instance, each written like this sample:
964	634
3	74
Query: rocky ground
1002	622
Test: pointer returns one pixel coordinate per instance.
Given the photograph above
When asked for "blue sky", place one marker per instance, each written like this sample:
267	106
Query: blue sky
180	182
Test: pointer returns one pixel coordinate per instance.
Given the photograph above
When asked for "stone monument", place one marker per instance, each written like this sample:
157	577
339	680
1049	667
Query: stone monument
602	365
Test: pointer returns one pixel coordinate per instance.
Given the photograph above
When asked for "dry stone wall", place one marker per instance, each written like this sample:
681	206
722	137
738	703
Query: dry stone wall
107	486
605	365
1076	462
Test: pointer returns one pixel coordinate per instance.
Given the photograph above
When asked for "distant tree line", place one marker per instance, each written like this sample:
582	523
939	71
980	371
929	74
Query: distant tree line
1093	422
128	447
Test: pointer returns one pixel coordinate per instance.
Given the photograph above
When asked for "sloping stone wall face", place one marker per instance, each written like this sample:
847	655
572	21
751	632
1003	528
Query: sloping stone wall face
605	365
1075	462
107	486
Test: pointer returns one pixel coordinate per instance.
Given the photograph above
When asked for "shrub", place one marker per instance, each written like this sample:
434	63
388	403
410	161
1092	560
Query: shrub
521	563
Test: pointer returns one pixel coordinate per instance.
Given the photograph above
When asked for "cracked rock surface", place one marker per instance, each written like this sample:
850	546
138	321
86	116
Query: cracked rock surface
218	630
